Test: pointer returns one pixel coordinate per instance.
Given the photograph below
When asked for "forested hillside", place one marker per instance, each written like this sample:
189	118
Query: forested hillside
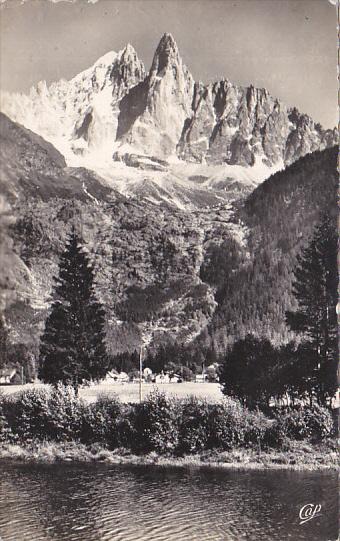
255	290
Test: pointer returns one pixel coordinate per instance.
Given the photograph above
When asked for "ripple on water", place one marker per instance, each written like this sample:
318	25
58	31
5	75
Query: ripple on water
105	503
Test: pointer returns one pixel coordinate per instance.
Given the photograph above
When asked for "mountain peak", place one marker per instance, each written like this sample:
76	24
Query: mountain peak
127	53
167	39
129	48
127	71
166	54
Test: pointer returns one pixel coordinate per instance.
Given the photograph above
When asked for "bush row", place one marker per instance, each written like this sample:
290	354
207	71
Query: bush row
160	423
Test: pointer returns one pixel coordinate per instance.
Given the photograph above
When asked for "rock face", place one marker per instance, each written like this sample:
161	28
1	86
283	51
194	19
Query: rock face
114	109
81	114
153	114
220	123
235	125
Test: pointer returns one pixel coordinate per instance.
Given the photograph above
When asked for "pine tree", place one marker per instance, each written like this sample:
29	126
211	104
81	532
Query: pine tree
315	289
73	347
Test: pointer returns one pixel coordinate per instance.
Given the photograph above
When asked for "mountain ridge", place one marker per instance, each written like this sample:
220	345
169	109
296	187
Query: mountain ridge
153	120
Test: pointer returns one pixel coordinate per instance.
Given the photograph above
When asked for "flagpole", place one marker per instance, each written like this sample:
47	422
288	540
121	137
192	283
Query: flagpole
140	371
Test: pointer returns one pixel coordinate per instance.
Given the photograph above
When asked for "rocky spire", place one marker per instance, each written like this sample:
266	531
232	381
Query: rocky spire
126	72
166	55
152	119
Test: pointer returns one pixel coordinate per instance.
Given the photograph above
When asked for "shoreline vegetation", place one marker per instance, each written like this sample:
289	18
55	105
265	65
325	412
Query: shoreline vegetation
299	457
55	425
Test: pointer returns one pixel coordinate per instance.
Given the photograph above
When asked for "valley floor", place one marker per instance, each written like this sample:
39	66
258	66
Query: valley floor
298	456
129	392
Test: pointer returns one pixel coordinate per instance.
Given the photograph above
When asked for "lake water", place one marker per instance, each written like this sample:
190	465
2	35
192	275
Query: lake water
102	502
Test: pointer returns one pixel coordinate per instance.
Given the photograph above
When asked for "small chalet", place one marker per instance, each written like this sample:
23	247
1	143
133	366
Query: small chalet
201	378
7	376
162	378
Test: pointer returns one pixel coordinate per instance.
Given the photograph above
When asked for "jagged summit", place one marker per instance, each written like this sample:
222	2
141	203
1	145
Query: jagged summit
166	54
167	39
129	55
152	115
129	49
167	44
116	108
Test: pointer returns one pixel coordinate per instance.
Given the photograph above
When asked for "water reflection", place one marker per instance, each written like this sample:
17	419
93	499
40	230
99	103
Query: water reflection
100	502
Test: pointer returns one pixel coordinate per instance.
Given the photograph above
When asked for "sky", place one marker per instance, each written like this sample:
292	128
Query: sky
286	46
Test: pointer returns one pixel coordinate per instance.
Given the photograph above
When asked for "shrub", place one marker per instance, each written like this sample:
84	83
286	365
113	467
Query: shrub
5	431
25	413
314	422
275	434
257	425
226	424
160	423
194	425
101	422
64	414
232	425
126	426
44	414
299	423
296	424
156	424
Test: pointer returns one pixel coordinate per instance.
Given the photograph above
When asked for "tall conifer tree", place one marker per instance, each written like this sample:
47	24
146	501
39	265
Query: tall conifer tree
72	347
315	289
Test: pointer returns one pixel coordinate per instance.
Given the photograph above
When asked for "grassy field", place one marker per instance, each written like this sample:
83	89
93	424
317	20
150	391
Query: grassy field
129	392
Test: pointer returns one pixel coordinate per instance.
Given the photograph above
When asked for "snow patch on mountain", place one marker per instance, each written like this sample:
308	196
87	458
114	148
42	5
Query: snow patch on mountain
161	135
183	185
79	116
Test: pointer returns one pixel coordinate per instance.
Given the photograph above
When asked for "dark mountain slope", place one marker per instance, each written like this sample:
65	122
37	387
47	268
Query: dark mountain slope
32	167
280	215
307	186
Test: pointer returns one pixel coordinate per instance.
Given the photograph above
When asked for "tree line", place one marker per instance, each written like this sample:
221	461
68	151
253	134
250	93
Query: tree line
256	371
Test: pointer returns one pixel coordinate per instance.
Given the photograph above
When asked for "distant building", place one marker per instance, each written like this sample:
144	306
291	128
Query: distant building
335	402
123	377
175	378
115	377
110	377
162	378
7	376
213	366
200	378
